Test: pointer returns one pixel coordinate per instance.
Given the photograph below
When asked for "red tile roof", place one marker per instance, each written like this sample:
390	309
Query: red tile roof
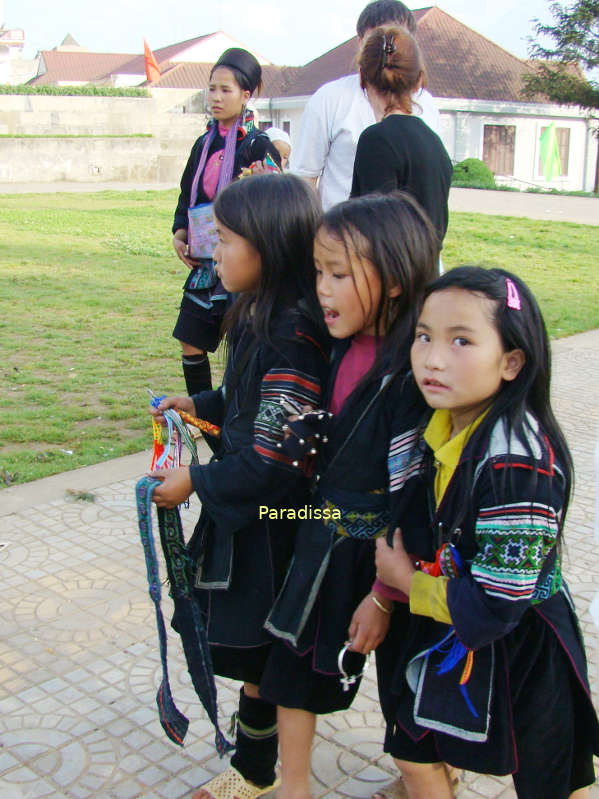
460	62
184	75
188	75
335	63
79	67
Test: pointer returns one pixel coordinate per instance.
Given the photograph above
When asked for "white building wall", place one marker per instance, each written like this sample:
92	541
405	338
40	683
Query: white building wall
592	154
281	111
4	63
462	132
209	50
463	123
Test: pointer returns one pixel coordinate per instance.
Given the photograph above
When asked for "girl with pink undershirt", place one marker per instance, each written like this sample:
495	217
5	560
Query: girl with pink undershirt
230	145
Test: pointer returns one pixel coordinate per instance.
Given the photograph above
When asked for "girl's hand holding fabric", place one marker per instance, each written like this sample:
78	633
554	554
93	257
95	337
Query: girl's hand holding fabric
182	403
369	625
393	564
175	487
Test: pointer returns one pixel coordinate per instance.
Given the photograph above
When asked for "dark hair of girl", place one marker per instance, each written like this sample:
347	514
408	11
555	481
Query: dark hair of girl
278	215
522	329
395	235
390	62
385	12
245	68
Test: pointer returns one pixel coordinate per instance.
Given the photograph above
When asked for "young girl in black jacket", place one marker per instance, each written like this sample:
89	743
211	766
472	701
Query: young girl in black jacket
276	354
490	674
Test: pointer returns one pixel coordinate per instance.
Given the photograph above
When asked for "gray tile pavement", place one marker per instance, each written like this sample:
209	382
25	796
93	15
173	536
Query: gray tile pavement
79	661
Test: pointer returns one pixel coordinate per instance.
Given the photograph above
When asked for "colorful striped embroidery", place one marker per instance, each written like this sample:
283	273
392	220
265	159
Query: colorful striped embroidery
404	459
276	385
513	542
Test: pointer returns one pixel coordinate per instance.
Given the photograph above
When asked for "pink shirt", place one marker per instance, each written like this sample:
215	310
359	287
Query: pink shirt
212	168
356	362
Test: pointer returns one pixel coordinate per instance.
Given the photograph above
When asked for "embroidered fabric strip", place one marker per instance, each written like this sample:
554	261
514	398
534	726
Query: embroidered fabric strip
187	614
279	384
514	541
403	460
362	524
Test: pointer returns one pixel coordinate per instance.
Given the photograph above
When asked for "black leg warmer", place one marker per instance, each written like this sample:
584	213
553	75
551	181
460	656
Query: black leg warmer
257	740
196	371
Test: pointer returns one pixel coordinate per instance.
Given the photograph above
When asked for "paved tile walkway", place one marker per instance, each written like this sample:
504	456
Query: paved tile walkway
78	649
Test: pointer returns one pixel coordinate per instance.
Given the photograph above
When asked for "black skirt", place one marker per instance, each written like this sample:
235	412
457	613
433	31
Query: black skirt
290	680
246	664
540	728
203	306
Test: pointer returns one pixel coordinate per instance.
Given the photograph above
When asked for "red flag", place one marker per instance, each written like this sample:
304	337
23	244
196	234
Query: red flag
152	69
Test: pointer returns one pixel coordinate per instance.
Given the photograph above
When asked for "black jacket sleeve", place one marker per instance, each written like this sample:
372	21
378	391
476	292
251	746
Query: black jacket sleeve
516	556
210	405
255	150
258	473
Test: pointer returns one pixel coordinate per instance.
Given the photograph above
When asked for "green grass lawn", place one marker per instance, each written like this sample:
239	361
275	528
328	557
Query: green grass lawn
90	292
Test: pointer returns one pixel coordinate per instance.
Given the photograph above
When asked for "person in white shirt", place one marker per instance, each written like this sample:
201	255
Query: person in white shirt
338	112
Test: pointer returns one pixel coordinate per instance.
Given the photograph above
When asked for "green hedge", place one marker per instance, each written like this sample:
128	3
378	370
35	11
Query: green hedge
87	91
473	173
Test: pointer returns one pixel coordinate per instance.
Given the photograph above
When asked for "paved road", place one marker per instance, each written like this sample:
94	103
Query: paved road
584	210
52	188
556	207
79	660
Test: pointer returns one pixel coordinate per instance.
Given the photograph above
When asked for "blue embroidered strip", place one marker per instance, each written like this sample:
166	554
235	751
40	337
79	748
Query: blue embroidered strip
187	614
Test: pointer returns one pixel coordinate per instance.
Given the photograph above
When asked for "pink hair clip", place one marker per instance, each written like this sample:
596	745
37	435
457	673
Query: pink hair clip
513	298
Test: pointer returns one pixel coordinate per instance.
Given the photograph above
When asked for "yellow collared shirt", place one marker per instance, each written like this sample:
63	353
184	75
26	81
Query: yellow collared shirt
428	594
447	450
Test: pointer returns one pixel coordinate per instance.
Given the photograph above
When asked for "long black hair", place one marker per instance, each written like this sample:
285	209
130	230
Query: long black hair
520	328
278	215
395	235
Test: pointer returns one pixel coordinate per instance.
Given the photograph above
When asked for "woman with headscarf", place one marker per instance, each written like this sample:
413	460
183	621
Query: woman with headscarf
230	144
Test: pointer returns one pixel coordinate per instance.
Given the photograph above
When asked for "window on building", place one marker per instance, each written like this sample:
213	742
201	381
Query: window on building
265	124
563	145
287	126
499	144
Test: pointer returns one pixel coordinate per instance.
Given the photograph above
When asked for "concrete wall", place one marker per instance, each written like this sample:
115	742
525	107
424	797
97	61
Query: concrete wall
38	114
94	159
160	157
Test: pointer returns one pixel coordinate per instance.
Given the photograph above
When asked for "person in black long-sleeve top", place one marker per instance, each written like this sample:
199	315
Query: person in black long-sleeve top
400	151
234	78
277	353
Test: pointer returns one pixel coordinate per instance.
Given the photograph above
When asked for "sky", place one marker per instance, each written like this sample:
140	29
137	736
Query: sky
290	32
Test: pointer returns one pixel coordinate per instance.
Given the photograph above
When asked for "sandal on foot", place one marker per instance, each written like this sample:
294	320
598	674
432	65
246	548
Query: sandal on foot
453	775
395	789
230	784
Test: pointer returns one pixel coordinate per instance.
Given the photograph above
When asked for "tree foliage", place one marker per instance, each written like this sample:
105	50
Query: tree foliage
573	46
